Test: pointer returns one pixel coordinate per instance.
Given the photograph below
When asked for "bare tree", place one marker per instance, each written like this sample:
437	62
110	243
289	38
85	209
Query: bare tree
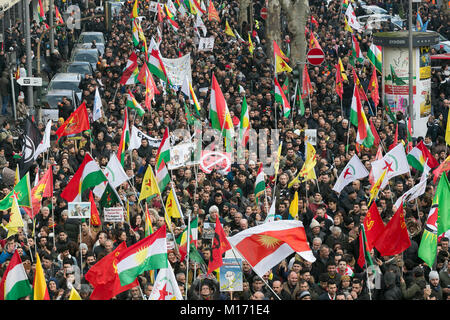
273	25
244	5
297	16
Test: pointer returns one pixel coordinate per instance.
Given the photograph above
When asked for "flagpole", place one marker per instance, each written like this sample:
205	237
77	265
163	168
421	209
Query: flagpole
187	254
232	250
81	256
165	212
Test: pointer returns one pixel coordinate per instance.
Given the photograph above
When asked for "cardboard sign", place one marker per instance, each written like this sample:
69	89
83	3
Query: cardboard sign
230	275
113	214
206	44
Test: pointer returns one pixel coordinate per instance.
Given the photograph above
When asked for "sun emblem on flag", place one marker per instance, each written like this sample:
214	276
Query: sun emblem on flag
141	255
268	241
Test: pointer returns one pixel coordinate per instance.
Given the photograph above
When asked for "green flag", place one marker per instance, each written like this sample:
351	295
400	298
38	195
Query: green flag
109	197
188	115
428	244
22	192
442	198
395	79
299	101
194	255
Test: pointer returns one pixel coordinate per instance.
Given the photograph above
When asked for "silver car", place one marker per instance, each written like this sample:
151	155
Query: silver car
87	37
87	55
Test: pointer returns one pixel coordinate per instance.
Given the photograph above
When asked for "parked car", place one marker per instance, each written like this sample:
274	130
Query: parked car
87	37
380	21
50	103
86	55
65	81
81	67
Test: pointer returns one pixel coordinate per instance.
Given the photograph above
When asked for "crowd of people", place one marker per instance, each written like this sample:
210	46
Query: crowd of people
70	247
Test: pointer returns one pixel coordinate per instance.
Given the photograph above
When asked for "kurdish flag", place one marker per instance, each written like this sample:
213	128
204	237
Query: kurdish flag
182	239
244	125
41	11
15	284
428	244
148	254
163	153
131	71
88	175
280	97
156	66
133	104
260	184
356	52
135	32
358	118
418	156
162	176
219	114
124	139
375	56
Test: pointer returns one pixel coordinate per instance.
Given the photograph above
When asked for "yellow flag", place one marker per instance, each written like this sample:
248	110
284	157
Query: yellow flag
376	187
250	44
127	217
15	219
281	65
307	172
447	131
276	165
17	176
149	185
341	68
74	295
40	291
172	206
228	30
193	7
135	12
293	208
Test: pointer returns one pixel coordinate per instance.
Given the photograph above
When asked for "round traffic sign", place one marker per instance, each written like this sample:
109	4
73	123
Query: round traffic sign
315	56
263	13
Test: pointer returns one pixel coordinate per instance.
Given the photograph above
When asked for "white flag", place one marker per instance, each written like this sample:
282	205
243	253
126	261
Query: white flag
45	143
171	7
354	170
97	112
351	18
166	286
394	162
271	215
415	191
136	139
199	24
114	173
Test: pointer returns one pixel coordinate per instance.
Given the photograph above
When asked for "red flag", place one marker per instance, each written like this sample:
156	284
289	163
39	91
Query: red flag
146	78
395	237
44	188
77	122
377	140
220	246
394	144
374	227
444	166
95	217
339	85
373	87
306	83
313	20
104	277
161	14
212	13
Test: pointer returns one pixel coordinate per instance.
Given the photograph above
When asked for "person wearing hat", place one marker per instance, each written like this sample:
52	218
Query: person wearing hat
435	286
303	295
21	107
315	231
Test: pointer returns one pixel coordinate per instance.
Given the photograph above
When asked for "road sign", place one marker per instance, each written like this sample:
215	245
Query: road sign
263	13
315	56
30	81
